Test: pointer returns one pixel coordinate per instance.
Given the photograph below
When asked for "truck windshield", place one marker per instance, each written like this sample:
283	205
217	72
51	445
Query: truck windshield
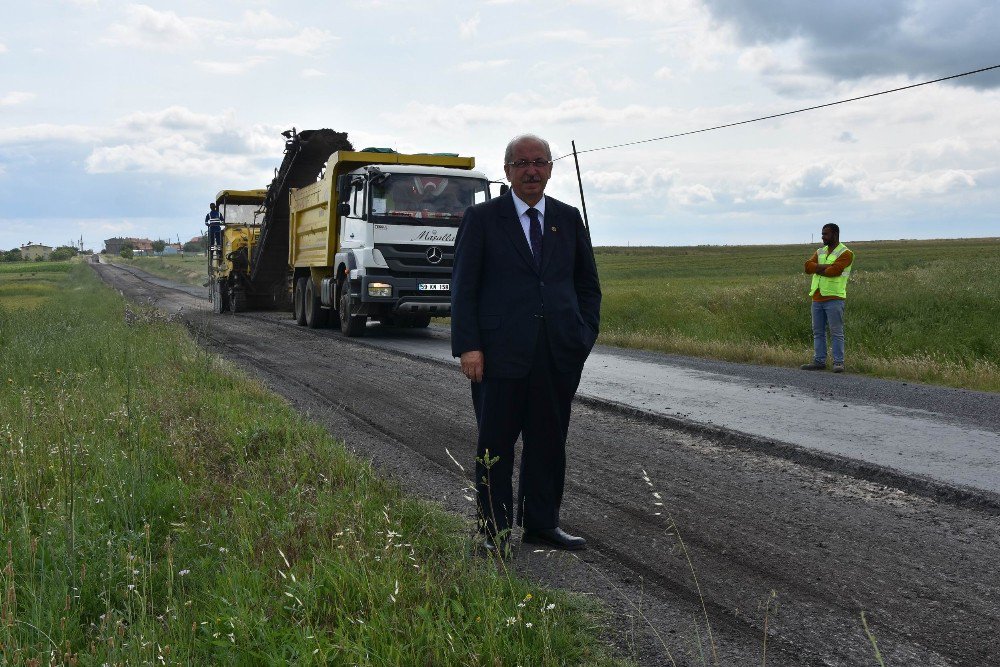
239	214
414	198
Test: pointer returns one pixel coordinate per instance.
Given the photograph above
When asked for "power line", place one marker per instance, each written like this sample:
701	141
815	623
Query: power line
779	115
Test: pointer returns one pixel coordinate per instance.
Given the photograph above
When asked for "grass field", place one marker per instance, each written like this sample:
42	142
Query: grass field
160	507
189	269
916	310
27	285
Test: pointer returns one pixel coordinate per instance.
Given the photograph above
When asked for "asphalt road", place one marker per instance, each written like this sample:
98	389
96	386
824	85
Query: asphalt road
784	526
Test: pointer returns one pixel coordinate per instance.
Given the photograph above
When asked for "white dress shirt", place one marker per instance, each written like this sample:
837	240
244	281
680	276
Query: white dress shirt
522	215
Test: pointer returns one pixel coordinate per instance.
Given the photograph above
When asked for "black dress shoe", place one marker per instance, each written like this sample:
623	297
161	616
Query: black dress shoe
495	546
555	537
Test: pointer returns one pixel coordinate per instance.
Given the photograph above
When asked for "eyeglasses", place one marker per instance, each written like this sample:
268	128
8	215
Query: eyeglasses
538	163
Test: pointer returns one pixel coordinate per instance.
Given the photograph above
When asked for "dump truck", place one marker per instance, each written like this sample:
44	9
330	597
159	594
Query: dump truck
229	264
347	236
374	238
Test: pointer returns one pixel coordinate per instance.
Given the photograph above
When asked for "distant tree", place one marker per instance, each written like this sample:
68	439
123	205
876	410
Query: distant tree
12	255
62	253
40	258
159	245
194	246
127	252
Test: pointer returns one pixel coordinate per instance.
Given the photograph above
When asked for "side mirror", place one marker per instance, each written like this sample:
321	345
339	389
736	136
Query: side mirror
504	188
344	187
343	208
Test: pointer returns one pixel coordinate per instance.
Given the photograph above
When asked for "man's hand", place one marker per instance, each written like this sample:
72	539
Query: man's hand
472	365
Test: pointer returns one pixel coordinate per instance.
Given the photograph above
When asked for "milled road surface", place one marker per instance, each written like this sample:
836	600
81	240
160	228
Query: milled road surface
758	517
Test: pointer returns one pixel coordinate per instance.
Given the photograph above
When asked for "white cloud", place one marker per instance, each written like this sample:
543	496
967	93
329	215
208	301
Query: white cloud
3	48
637	184
814	181
168	154
577	36
174	140
781	69
692	195
172	118
307	42
476	65
49	132
15	97
233	67
469	28
263	21
145	27
950	152
524	109
311	73
663	73
923	185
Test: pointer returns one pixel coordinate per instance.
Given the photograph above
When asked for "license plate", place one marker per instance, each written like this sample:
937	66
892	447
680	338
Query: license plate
433	287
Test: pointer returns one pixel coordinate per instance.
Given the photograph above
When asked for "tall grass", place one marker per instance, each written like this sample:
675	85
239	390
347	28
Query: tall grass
917	310
188	269
161	507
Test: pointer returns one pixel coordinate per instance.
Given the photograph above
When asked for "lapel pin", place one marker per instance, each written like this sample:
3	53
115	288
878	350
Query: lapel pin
553	229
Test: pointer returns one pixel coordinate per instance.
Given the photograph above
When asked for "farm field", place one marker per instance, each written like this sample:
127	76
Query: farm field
916	310
187	269
159	506
26	285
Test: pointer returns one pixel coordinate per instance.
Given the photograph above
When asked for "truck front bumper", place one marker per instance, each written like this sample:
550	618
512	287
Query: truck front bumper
410	295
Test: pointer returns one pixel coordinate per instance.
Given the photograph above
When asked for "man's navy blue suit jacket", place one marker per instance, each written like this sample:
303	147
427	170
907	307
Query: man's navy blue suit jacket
499	298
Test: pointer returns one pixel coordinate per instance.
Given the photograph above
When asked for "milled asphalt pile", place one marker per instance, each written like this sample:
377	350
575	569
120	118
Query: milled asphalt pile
932	440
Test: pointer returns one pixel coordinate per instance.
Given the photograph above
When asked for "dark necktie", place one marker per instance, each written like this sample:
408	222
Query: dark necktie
535	233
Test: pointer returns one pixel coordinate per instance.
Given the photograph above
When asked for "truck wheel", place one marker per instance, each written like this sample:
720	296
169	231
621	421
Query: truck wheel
237	301
420	321
298	302
218	296
315	316
350	326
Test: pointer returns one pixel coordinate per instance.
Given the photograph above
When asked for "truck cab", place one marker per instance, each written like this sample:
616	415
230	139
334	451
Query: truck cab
398	244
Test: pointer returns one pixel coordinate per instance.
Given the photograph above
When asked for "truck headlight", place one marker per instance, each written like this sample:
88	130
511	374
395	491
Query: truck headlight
379	289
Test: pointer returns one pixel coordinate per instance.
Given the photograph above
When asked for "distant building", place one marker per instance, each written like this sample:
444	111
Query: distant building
140	246
32	251
171	249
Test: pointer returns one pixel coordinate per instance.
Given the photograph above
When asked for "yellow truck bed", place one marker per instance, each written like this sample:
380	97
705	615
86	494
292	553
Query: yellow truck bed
312	210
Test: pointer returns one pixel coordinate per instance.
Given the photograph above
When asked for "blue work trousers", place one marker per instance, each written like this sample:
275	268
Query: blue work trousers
828	313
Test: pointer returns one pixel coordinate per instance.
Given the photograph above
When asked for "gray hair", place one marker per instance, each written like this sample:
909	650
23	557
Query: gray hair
509	153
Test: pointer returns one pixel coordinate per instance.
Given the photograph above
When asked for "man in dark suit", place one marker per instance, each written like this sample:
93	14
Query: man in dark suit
525	310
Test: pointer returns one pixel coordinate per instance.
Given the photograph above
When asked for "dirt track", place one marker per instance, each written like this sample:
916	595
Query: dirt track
828	545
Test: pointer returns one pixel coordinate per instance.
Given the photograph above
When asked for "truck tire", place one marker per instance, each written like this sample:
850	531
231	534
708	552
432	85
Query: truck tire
316	317
420	321
350	326
218	289
237	301
298	302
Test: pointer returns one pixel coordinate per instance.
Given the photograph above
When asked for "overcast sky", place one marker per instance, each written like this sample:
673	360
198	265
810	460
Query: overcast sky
122	119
